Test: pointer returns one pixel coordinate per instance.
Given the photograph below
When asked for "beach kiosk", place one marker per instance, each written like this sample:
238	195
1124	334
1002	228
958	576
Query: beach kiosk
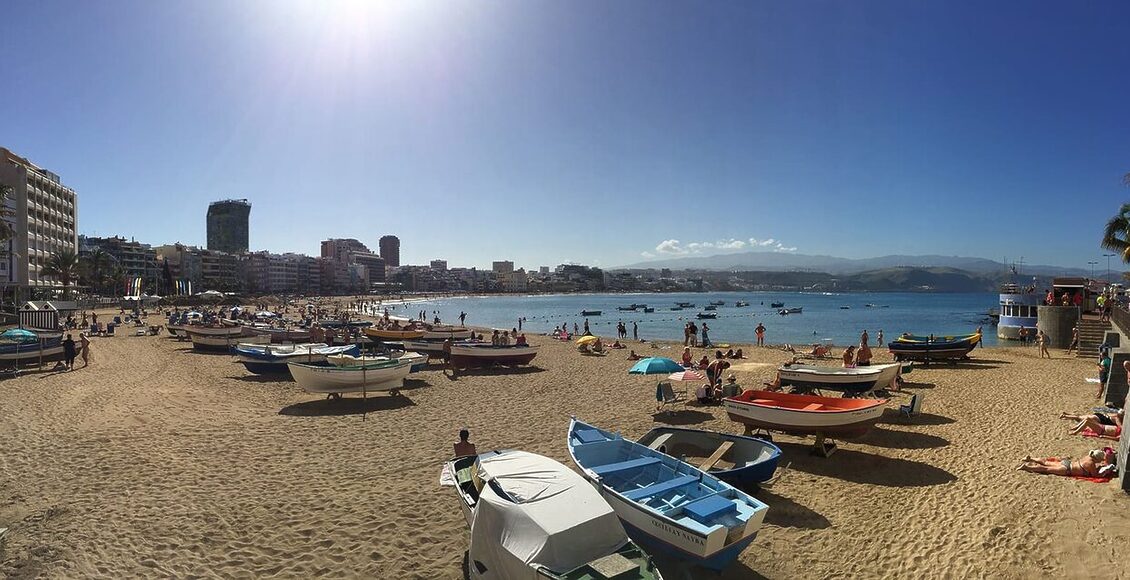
46	314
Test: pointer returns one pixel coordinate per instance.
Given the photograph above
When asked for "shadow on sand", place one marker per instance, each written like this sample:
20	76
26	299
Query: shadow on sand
860	467
346	406
893	417
902	439
499	371
786	513
681	417
267	378
909	385
680	570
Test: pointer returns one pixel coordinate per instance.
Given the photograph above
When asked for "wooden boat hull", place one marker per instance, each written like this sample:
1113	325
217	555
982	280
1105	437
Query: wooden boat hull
385	334
912	349
328	379
284	336
417	361
29	353
454	333
464	356
213	339
854	380
708	544
752	460
848	418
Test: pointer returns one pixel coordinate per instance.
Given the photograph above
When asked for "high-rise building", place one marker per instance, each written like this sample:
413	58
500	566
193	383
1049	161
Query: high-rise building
44	220
390	250
340	248
227	225
440	265
502	267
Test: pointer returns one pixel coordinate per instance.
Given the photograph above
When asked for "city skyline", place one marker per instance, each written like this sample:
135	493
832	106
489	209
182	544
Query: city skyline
606	135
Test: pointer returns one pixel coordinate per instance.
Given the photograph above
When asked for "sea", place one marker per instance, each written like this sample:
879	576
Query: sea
829	318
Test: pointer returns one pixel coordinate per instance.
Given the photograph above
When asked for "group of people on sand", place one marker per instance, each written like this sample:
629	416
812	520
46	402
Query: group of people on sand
689	362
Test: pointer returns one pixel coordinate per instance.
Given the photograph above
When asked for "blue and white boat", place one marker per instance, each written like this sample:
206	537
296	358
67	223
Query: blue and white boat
665	503
1018	309
262	359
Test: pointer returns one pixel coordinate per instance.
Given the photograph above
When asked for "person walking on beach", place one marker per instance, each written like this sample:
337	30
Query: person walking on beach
760	331
1074	339
85	342
705	337
587	328
879	338
519	323
635	331
687	334
863	338
1042	339
462	318
69	352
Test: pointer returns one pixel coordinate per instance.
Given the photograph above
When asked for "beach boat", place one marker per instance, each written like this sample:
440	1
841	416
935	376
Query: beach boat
264	359
718	303
417	361
649	309
666	504
841	418
631	308
741	303
471	355
706	315
794	310
443	332
382	334
710	307
685	304
845	308
333	380
532	518
590	312
922	348
735	459
853	381
222	338
776	304
283	335
28	348
676	308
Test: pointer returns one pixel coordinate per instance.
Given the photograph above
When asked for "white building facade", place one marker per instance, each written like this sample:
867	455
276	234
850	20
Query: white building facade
45	220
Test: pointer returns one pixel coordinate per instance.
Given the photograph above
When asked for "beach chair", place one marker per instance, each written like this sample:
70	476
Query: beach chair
110	330
915	406
669	395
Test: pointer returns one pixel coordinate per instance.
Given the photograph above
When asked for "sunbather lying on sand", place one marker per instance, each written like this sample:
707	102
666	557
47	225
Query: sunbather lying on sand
1108	425
1089	466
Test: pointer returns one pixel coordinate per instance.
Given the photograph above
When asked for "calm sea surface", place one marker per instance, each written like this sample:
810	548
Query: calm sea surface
823	319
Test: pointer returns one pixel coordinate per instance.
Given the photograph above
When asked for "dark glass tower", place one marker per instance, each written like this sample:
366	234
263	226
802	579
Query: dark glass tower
227	225
390	250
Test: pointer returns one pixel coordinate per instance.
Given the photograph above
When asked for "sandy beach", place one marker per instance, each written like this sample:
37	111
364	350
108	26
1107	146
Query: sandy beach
157	461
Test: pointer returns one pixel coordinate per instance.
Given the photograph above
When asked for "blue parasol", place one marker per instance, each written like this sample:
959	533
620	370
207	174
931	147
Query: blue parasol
18	335
654	365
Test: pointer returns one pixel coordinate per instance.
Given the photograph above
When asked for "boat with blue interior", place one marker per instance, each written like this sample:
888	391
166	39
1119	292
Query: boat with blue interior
664	502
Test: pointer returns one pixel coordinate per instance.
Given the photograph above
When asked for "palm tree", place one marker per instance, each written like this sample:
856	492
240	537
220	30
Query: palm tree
64	266
96	266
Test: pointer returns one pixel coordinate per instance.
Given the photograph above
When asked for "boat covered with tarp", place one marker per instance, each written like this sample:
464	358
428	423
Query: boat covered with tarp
533	518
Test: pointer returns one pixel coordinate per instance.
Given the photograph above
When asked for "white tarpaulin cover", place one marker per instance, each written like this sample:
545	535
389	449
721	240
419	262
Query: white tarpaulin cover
557	519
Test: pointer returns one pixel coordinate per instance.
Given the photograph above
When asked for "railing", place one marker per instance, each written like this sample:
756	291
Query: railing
1121	319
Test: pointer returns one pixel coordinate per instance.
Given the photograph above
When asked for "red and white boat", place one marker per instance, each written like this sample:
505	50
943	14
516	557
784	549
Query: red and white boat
465	355
842	418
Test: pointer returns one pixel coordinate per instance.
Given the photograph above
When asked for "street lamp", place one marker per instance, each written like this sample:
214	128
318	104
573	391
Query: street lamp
1108	256
1092	263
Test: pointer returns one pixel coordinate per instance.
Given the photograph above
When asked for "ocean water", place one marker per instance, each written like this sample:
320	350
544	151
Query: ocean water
823	319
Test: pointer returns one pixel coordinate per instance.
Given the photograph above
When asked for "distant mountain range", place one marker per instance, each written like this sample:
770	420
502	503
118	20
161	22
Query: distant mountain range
784	262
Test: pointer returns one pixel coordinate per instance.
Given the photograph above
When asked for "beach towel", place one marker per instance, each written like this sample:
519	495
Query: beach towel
1090	433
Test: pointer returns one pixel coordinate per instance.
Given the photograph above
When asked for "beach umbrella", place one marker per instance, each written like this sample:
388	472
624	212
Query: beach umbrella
587	339
687	375
18	335
654	365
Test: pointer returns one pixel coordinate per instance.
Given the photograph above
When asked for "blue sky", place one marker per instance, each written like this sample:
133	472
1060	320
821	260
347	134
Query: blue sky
594	132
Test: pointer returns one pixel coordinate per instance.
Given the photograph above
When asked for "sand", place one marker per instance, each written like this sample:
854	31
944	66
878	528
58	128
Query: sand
160	462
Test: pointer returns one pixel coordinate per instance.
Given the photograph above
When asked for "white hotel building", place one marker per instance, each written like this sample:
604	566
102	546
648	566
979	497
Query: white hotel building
45	220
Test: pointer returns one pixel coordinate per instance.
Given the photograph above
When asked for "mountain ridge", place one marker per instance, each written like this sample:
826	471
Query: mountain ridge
782	261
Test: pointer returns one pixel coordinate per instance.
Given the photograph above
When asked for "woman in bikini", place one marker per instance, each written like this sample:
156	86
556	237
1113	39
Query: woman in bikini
1086	467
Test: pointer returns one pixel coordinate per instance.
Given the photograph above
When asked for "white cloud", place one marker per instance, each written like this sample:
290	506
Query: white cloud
674	247
671	247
